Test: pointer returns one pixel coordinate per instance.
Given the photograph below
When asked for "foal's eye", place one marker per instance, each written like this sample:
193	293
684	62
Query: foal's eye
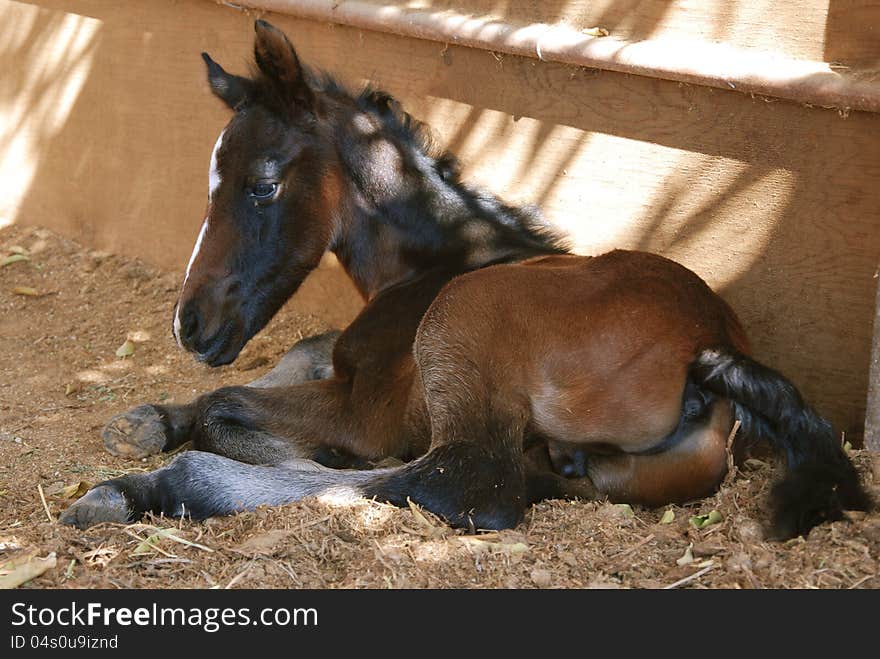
263	190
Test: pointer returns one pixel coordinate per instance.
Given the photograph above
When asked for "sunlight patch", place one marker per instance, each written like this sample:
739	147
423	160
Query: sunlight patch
57	72
95	377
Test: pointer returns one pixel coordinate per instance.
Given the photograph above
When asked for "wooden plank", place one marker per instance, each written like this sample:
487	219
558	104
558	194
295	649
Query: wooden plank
841	31
691	61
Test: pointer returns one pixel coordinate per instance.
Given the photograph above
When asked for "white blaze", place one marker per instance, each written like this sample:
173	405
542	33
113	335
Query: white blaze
192	258
213	184
213	173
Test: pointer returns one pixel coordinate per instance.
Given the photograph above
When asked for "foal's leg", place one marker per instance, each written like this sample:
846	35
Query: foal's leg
149	429
309	359
474	474
689	465
199	485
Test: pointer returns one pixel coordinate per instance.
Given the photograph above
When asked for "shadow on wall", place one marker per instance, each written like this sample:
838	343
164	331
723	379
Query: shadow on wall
123	153
773	203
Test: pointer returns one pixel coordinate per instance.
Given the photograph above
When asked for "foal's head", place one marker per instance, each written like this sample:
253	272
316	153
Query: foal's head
305	167
273	202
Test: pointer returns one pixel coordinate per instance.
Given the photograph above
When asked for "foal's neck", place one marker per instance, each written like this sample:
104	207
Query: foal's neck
407	212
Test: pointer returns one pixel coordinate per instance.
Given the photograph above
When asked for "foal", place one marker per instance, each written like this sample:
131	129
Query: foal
499	367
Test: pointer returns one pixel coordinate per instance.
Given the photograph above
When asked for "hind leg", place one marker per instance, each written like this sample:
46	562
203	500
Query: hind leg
473	474
691	468
149	429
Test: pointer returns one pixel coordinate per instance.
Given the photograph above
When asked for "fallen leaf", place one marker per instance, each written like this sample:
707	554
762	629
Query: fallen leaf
125	350
624	510
688	556
595	32
26	290
18	249
14	258
23	569
668	517
72	388
74	491
702	521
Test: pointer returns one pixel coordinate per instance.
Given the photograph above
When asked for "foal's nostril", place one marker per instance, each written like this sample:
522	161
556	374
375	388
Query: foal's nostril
190	324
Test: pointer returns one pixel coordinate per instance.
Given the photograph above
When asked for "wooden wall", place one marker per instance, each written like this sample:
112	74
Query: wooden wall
772	203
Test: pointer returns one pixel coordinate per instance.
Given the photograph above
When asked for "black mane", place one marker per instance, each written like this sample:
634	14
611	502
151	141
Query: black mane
524	224
517	231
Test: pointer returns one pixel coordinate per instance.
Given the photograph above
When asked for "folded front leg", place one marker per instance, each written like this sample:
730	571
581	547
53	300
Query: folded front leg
153	428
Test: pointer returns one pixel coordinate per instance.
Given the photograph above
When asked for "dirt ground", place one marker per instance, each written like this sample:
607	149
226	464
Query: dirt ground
65	311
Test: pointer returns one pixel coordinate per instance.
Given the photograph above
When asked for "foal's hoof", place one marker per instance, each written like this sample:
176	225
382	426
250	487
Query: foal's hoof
135	434
100	504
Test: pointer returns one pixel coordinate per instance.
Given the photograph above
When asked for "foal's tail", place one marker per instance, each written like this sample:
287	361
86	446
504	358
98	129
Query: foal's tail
820	482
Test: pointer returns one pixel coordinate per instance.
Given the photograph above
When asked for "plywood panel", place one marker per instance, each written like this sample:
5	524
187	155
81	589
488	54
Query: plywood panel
773	203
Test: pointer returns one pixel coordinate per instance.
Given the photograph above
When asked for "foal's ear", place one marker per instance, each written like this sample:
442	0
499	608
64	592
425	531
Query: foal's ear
231	89
277	59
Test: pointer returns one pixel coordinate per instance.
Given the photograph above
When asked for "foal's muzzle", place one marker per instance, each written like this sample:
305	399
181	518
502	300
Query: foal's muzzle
208	323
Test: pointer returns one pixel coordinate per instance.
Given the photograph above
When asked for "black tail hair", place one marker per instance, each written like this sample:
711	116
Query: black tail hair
820	481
